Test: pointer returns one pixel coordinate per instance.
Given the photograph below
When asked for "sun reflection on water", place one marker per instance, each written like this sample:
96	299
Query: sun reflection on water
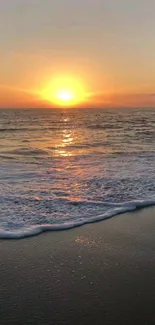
61	139
66	140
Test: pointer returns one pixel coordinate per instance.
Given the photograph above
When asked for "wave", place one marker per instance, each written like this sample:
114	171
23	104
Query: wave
118	208
6	157
28	152
34	129
15	129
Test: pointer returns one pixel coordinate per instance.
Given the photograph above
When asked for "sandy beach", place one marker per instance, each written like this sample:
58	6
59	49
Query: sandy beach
101	273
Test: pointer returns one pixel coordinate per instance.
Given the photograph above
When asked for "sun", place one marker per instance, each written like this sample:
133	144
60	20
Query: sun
65	96
64	91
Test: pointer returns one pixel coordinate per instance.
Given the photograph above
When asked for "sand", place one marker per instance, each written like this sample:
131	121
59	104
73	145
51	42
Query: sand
102	273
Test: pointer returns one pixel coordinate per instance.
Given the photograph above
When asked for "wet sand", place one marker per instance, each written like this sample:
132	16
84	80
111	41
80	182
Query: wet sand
103	273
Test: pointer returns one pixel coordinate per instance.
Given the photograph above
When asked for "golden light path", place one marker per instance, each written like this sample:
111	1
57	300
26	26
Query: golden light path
64	91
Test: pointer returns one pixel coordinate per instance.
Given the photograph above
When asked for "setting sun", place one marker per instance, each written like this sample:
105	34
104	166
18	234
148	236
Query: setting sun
65	96
64	91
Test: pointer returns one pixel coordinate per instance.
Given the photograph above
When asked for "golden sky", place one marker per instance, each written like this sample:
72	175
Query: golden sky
106	46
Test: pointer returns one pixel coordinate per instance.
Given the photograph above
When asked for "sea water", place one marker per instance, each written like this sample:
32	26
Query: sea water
61	169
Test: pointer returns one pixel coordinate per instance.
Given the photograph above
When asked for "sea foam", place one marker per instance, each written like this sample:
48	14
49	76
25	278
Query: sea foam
34	230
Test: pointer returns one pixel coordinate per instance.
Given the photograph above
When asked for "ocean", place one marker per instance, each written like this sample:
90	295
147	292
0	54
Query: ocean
60	169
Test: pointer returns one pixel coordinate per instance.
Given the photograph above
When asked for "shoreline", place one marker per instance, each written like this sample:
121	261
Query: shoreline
100	273
35	230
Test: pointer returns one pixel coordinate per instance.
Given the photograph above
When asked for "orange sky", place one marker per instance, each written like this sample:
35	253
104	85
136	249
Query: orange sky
108	45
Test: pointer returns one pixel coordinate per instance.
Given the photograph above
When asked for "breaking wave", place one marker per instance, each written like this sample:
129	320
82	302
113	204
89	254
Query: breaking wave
115	209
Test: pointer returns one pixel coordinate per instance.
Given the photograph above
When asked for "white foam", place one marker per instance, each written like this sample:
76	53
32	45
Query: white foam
38	229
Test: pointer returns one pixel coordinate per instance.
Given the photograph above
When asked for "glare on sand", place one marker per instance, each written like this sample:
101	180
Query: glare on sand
64	91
